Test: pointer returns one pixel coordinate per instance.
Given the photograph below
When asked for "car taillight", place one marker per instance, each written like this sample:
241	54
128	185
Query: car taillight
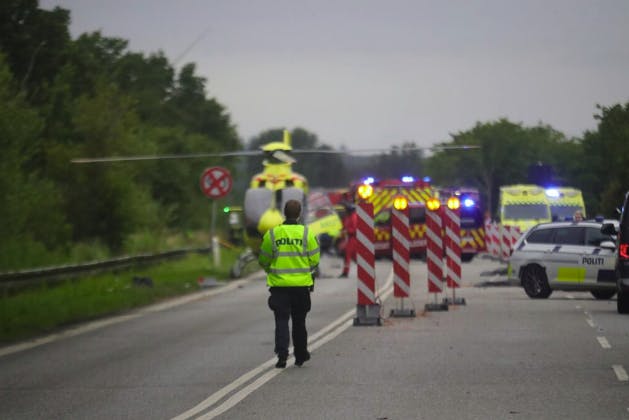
624	251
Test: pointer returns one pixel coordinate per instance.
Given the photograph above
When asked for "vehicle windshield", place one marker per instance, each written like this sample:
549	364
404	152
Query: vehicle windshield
525	211
417	215
382	218
562	212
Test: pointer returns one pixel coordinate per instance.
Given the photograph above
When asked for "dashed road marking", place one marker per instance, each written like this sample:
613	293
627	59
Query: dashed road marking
621	373
604	343
590	322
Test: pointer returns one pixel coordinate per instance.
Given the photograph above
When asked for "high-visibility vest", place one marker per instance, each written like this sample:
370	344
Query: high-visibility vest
289	253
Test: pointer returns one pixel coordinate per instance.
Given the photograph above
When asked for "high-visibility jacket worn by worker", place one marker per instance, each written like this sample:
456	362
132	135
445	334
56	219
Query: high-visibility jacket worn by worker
289	253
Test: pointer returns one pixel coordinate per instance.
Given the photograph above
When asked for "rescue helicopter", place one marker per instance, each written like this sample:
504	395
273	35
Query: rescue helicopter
266	195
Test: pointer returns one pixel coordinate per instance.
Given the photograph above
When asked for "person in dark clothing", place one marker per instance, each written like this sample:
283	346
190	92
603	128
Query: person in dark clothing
350	227
289	253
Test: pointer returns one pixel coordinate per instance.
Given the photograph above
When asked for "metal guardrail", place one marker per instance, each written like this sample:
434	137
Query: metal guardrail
95	267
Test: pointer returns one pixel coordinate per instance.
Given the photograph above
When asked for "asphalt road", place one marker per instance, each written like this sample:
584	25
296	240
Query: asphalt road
500	356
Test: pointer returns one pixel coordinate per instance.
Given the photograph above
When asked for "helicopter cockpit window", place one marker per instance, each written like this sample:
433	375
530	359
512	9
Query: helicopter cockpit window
292	193
382	218
257	201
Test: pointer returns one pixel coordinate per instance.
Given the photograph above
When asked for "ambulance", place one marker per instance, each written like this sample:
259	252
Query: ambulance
523	206
564	202
382	194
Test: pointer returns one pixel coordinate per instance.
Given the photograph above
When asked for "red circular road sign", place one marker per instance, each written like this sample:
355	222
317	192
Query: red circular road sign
216	182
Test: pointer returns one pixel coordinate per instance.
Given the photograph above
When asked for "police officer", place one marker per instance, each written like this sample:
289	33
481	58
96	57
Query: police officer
289	253
350	227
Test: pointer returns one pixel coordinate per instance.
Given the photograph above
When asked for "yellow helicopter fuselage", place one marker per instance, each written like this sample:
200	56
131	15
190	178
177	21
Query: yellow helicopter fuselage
276	177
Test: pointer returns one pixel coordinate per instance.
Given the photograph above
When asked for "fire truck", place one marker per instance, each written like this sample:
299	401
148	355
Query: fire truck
382	194
472	219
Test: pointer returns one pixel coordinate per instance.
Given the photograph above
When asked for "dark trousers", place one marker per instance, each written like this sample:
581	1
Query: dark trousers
290	303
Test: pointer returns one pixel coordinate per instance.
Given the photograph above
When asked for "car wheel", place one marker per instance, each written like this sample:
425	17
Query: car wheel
603	294
622	302
535	282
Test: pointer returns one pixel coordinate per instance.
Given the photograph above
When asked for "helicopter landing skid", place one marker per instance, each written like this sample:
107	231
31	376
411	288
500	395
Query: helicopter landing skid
244	259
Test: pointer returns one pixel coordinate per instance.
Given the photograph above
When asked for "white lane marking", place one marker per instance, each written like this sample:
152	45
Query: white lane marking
604	343
588	319
570	296
244	392
221	393
213	399
621	373
122	318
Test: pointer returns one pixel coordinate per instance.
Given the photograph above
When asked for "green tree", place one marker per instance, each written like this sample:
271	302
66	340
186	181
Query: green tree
506	150
405	160
31	206
605	172
106	201
34	41
149	80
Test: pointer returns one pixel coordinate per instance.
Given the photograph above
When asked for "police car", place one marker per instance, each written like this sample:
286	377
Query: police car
571	256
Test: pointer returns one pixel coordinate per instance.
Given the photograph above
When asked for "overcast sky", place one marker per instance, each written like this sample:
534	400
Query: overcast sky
374	73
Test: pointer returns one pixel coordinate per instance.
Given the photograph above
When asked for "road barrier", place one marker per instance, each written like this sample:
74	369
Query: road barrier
501	239
492	237
401	261
452	223
508	237
367	310
434	258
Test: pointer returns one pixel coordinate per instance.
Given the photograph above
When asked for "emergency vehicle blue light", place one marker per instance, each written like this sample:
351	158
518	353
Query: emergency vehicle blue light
369	180
426	179
408	179
552	192
468	202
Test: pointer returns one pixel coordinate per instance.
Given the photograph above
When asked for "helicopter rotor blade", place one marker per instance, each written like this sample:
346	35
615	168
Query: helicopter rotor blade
280	155
381	150
164	157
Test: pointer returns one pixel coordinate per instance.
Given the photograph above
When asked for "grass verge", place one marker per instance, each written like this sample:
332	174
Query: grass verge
46	308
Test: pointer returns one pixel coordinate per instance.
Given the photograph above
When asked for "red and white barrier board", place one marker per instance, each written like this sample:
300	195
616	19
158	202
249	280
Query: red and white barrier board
367	310
452	222
453	247
509	236
434	251
401	253
365	256
401	247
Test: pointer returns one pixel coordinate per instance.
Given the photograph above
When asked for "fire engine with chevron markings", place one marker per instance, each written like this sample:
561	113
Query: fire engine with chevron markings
472	219
382	194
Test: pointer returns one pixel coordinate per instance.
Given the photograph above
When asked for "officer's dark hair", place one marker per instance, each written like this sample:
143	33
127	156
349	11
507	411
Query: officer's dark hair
292	209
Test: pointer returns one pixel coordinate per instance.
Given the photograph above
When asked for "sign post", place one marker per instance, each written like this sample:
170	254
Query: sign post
216	182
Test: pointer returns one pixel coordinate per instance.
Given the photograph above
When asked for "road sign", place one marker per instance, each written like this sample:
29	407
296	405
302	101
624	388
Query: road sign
216	182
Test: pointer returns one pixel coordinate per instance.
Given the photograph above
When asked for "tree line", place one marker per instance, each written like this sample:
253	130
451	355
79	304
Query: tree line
64	98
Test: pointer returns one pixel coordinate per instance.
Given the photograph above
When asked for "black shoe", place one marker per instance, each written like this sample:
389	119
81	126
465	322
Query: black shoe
281	362
299	362
343	276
